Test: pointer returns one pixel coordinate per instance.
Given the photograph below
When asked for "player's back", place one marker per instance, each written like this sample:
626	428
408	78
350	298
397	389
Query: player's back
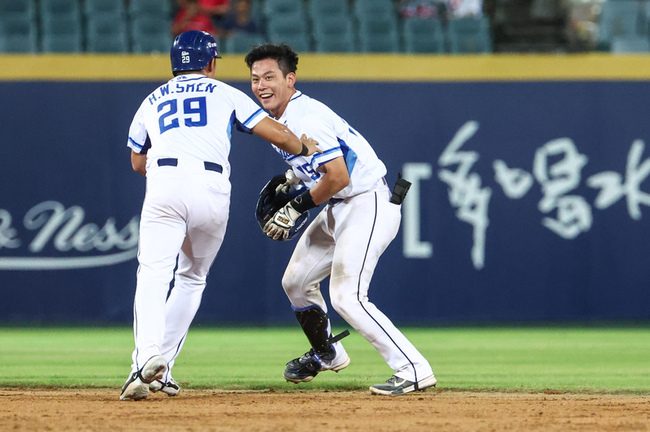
190	116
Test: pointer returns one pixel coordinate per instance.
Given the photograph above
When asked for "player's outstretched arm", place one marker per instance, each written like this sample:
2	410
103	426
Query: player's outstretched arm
278	134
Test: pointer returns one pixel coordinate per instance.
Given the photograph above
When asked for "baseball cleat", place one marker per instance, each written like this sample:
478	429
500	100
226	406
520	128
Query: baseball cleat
136	386
395	386
170	388
306	367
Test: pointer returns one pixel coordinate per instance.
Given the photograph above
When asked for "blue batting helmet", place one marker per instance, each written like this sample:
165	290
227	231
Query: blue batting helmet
193	50
271	200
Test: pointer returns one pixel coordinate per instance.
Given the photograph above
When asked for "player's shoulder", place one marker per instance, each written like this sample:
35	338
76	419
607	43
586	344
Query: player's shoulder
310	109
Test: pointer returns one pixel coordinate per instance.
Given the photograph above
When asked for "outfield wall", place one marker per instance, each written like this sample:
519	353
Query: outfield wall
529	200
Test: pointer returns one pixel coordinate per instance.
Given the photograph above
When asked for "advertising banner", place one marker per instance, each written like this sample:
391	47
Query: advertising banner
529	202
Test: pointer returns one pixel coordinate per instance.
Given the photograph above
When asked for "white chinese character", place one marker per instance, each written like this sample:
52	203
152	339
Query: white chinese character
557	168
465	190
612	187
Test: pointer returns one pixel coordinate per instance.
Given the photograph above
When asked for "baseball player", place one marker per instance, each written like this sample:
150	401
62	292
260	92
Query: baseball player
344	241
180	139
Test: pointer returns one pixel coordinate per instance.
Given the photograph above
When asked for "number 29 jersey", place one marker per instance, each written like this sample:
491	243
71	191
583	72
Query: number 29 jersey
191	118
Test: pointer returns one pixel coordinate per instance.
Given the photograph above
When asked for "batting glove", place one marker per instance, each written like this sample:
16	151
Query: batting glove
290	179
280	224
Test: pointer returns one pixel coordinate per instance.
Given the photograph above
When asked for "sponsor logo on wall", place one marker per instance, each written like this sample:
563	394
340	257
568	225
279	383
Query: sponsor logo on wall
51	236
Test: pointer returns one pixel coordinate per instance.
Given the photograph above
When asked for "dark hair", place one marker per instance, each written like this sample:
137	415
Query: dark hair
285	56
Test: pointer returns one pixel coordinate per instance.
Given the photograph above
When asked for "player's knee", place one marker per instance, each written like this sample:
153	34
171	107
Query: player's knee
345	306
190	281
291	282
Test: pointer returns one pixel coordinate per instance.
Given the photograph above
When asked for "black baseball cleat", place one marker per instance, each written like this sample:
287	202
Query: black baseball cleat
395	386
136	386
306	367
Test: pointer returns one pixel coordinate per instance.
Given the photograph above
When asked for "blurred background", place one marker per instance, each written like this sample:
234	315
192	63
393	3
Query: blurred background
326	26
521	124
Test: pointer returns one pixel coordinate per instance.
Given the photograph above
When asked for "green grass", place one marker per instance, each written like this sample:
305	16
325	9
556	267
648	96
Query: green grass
601	360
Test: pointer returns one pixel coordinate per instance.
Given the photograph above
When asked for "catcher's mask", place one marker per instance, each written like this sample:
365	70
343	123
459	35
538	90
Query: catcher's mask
271	201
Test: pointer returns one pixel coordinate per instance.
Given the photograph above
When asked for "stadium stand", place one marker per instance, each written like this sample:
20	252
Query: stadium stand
59	9
150	9
106	34
619	18
506	26
241	43
61	34
373	8
17	9
423	36
469	35
327	9
18	29
104	8
378	33
333	33
287	9
150	33
630	44
18	34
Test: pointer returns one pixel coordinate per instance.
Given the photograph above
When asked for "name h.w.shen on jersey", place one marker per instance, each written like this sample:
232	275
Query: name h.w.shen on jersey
51	236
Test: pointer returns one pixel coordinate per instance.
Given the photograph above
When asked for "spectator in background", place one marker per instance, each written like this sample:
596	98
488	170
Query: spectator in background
419	8
442	9
465	8
199	15
239	20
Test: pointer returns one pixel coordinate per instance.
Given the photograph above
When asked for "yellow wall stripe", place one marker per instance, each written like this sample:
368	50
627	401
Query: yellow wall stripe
327	67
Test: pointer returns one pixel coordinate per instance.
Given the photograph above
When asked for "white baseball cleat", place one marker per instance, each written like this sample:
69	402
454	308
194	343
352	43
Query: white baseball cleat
170	388
136	386
395	386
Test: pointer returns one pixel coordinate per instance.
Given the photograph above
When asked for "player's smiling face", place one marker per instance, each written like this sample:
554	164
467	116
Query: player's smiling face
271	87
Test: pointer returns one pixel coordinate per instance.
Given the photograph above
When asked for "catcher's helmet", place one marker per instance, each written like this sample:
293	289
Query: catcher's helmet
193	50
271	201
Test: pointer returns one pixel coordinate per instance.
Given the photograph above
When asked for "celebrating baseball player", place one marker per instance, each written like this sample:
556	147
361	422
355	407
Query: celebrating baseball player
180	139
345	240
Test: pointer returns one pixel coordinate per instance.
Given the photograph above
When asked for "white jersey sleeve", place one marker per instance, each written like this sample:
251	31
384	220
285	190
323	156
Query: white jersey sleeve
336	138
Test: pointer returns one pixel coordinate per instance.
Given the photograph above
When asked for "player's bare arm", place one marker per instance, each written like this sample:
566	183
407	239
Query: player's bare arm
336	178
139	162
278	134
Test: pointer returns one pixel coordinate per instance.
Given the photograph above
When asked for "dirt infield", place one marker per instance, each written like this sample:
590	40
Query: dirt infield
433	410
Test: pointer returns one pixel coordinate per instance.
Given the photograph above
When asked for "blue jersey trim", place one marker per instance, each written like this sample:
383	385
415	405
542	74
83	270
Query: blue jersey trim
327	153
233	121
292	157
349	156
146	146
135	144
255	114
191	79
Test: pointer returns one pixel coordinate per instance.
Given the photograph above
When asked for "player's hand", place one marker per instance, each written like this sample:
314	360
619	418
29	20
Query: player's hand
289	179
310	144
280	224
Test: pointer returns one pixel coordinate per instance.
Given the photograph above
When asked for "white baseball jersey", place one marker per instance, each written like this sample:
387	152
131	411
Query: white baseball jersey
184	127
336	138
191	117
347	237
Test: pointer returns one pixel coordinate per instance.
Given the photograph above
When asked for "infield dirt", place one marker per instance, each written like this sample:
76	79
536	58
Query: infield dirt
433	410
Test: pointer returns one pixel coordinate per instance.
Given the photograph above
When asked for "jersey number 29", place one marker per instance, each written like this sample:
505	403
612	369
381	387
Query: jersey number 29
194	113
